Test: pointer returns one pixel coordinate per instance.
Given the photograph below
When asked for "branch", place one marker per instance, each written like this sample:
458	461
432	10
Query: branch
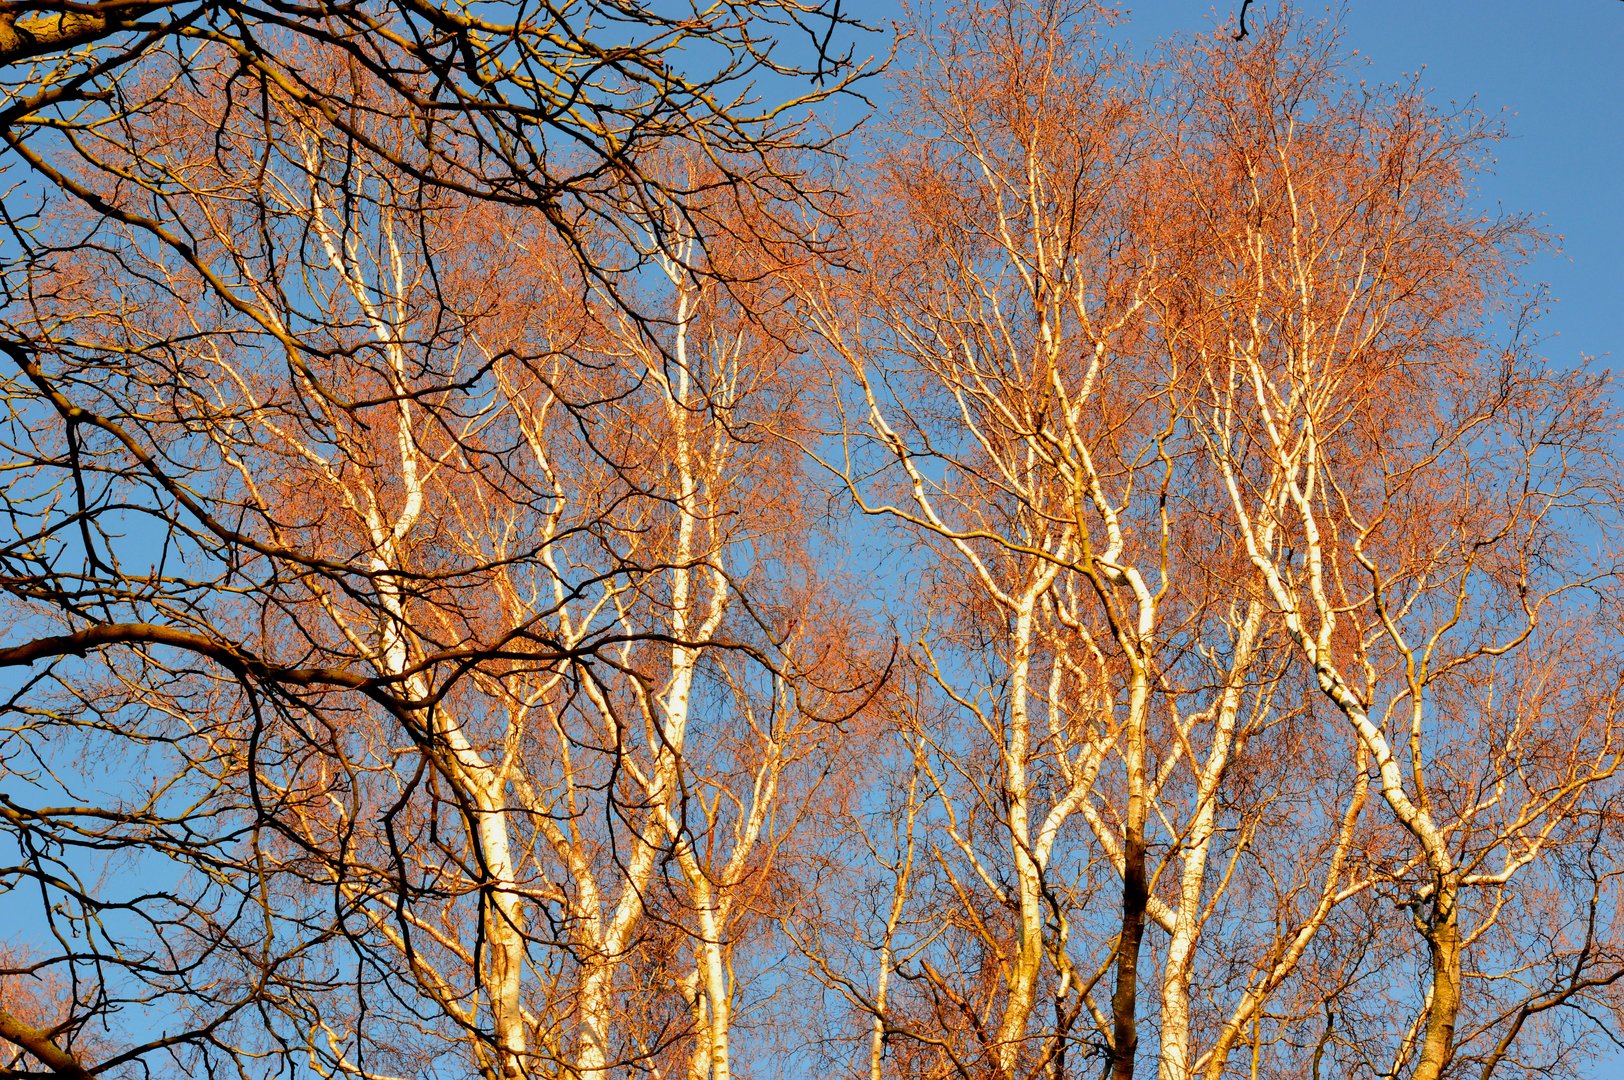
38	1042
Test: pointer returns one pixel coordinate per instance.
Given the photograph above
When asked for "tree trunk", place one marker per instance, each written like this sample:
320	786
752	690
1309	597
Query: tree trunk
504	933
1135	894
592	1053
1125	998
718	994
1443	939
1023	979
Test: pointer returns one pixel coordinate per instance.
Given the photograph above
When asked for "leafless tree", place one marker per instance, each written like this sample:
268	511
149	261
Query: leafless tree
331	527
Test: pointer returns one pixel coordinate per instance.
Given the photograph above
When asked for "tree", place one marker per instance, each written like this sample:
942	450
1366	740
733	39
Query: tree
433	650
1186	380
1403	471
560	108
282	473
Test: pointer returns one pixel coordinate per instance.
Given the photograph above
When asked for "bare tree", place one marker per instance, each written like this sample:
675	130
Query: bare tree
1427	505
433	652
1114	328
356	523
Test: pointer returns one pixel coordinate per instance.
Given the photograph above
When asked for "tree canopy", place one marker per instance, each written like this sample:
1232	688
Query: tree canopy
532	554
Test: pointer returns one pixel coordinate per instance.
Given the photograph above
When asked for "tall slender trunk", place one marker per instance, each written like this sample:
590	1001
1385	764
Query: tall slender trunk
899	896
607	943
1125	997
592	1053
1135	886
1023	976
1444	942
1174	1061
718	991
694	994
876	1043
504	937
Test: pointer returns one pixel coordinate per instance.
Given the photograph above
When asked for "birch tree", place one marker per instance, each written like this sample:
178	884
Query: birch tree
998	341
1112	317
1423	499
523	566
450	621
